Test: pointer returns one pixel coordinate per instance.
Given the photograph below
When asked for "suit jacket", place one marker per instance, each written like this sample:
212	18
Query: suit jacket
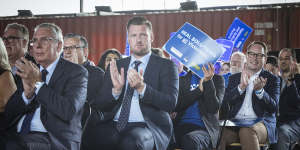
61	103
264	108
161	78
210	101
95	81
289	104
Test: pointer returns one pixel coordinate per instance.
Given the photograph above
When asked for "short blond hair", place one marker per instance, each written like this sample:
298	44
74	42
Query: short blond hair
4	63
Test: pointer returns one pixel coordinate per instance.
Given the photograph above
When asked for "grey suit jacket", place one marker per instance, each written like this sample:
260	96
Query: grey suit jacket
161	78
61	103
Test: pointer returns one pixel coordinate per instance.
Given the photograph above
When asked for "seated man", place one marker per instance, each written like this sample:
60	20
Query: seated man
289	105
138	93
76	51
48	110
196	124
252	97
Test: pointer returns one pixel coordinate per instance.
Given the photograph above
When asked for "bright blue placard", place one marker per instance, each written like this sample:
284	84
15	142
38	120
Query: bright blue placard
228	45
238	33
193	48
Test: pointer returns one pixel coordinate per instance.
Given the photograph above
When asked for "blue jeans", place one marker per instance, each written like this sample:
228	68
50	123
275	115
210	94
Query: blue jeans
288	134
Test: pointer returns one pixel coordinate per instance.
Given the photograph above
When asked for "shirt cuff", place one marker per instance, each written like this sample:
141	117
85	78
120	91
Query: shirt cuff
38	86
260	93
141	95
116	96
240	90
26	100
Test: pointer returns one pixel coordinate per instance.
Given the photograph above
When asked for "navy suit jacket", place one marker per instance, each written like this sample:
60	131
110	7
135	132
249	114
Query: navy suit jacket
61	103
289	105
161	78
264	108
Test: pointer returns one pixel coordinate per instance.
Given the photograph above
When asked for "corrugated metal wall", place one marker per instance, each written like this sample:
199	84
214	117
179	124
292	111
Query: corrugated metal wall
278	27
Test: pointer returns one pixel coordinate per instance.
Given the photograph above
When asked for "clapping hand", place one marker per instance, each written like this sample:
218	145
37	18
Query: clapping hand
117	78
30	74
208	75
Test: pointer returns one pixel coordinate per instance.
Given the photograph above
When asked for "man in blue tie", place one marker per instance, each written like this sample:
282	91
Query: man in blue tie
48	111
139	92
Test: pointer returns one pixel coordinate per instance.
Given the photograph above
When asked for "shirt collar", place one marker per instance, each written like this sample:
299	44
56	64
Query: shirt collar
144	59
255	75
14	70
51	67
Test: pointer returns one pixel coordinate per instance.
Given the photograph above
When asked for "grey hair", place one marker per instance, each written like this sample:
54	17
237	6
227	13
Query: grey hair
55	30
83	40
243	56
21	28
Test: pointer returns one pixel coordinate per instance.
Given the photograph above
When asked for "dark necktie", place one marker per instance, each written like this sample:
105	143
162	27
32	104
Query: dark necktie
25	129
125	110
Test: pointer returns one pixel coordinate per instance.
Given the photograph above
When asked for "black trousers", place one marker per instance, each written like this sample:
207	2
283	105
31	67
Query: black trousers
31	141
190	136
105	136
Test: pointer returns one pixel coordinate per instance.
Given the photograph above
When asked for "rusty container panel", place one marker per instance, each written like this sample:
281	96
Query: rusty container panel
277	27
294	28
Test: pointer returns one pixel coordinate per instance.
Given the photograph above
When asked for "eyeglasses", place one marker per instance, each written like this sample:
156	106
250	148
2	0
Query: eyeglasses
73	47
42	40
287	58
108	59
12	39
256	55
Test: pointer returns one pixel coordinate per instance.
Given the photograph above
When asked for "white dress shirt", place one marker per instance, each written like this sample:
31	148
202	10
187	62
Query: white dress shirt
135	114
246	111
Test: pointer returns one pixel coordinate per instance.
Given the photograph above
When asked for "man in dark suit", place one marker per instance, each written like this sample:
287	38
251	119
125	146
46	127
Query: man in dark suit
288	122
252	97
50	106
76	50
197	124
136	102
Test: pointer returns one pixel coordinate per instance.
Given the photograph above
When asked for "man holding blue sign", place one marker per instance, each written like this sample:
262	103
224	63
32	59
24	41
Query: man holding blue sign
196	124
252	97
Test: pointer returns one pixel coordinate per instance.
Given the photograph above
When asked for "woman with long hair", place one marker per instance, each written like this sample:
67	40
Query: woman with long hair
7	82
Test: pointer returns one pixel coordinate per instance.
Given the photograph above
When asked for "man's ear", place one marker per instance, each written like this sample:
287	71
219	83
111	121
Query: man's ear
25	43
86	52
59	46
152	37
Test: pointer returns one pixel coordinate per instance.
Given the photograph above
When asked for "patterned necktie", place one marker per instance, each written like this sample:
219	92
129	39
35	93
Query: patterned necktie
124	114
25	128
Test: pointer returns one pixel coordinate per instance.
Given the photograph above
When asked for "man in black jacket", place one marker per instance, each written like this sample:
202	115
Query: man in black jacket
76	50
288	122
196	124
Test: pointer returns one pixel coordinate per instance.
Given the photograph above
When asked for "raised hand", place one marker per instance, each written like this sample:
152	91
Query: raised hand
245	76
209	72
30	74
136	80
259	83
117	78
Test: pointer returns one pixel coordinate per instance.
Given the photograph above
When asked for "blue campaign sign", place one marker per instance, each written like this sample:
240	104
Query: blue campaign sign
228	45
193	48
127	48
238	32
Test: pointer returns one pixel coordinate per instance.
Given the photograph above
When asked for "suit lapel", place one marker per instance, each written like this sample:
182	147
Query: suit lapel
58	71
150	69
125	64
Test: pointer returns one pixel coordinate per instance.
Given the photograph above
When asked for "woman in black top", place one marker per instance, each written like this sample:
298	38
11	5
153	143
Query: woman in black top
7	83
